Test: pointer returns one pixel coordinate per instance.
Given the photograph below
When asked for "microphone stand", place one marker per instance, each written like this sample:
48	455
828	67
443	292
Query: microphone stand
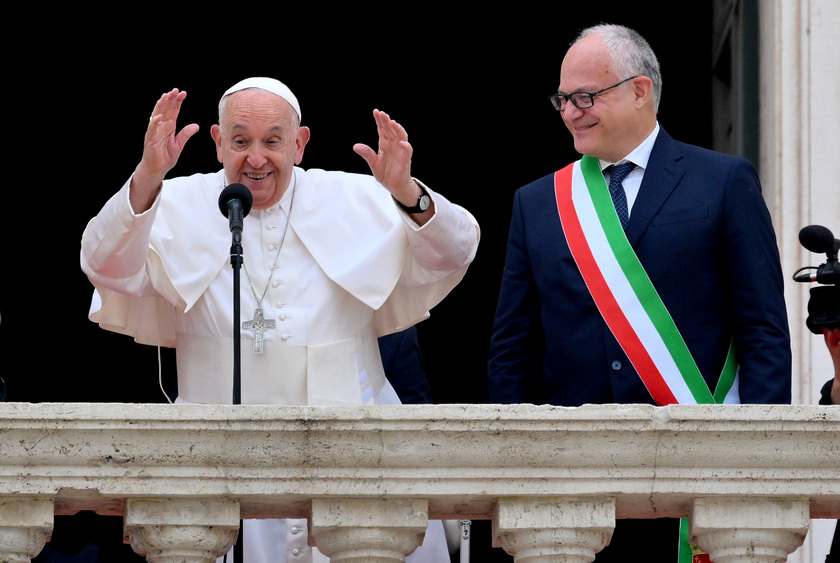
236	264
235	203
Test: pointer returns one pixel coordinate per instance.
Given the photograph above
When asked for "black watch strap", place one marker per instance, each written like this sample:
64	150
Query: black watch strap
423	203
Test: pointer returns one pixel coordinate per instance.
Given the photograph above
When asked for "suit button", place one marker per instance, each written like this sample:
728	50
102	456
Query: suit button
616	365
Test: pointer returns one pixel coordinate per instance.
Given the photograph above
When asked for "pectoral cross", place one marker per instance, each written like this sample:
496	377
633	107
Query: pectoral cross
258	326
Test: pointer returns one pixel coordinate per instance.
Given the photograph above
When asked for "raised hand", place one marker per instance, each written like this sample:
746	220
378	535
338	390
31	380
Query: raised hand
391	165
162	148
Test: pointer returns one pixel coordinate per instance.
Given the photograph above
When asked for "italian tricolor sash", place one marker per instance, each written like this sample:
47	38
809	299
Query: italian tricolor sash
630	304
625	295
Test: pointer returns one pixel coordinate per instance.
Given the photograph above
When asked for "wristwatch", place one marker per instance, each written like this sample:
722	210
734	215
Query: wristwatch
423	203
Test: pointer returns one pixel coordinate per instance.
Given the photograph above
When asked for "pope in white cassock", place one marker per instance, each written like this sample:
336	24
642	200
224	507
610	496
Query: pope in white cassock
331	261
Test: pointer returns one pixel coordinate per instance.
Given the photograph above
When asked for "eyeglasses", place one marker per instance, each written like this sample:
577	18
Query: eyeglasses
582	100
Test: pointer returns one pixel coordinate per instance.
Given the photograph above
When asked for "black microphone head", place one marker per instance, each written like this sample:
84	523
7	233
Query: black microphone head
817	238
235	192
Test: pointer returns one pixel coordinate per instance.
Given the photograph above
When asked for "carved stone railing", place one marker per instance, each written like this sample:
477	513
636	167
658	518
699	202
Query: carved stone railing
552	480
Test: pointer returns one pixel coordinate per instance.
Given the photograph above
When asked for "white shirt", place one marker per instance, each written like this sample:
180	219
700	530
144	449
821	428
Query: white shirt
638	156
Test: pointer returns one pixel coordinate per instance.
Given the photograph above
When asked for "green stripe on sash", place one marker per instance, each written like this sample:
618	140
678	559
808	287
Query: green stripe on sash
727	375
641	284
659	315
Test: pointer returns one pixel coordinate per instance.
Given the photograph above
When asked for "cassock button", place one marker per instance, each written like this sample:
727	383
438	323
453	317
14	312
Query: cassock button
616	365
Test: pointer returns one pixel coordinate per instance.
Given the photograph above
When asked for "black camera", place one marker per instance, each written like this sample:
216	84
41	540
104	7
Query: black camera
824	304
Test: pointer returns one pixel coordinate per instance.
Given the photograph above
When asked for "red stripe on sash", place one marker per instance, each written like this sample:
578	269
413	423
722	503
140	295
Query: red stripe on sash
601	293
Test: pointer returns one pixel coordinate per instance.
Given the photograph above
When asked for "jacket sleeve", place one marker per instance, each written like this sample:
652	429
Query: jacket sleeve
436	260
115	255
756	291
516	339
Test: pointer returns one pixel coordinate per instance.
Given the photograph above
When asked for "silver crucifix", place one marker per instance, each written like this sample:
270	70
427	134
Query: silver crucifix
258	326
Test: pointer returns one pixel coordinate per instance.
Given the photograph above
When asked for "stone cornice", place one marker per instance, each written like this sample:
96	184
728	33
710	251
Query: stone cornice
274	460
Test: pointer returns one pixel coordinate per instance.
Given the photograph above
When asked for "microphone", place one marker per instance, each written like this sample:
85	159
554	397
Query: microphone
235	203
818	239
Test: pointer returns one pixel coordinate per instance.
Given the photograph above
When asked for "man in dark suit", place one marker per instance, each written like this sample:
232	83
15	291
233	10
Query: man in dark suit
402	360
824	318
591	311
831	396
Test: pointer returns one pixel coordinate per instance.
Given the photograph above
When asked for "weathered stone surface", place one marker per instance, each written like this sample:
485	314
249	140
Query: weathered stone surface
653	460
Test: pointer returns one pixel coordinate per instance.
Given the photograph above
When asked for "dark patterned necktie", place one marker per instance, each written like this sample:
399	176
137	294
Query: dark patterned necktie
617	173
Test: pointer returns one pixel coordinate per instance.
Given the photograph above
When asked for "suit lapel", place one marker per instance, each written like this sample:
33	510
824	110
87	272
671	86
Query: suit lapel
663	173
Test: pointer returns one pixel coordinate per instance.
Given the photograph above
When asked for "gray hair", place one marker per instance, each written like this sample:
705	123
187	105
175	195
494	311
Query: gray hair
630	53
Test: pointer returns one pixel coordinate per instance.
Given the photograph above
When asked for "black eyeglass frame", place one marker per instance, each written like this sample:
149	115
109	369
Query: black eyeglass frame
559	101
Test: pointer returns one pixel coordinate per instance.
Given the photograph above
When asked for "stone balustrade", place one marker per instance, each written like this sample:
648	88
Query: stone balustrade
552	480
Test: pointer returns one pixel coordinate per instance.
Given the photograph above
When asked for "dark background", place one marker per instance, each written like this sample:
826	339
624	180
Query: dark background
470	85
471	89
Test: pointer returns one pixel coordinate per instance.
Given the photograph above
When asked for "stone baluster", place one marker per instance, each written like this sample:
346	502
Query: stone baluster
754	530
25	526
368	530
181	530
553	530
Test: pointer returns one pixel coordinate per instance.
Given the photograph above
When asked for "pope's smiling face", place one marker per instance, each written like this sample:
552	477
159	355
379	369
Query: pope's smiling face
259	141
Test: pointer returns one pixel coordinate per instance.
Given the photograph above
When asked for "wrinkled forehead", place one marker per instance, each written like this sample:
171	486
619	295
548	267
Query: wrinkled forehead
586	66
